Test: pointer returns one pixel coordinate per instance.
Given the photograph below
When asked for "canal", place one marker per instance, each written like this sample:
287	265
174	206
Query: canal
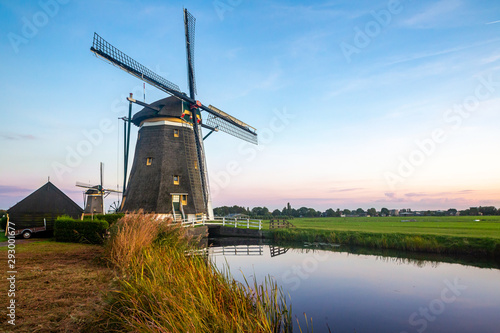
356	290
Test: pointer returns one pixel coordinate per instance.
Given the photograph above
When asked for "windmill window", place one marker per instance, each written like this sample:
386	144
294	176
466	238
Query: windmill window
184	200
196	165
176	180
149	160
176	133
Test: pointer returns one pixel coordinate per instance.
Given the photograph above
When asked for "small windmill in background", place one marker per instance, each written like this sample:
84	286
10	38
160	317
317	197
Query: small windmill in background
95	194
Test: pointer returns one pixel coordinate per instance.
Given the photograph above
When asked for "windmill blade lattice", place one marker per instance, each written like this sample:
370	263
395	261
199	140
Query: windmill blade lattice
234	127
85	185
107	51
190	22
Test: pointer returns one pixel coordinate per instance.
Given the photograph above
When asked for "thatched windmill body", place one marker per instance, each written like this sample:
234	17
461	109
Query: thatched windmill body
169	173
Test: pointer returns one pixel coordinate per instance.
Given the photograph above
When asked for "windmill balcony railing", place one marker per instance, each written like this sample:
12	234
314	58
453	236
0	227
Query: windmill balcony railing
224	221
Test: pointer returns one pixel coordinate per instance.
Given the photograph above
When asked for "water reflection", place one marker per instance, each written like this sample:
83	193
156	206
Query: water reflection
372	291
277	250
236	250
409	261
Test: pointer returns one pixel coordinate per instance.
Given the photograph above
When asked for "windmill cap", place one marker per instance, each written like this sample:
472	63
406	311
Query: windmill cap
169	107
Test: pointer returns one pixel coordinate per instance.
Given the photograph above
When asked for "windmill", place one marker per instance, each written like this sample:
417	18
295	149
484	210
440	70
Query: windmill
95	194
169	173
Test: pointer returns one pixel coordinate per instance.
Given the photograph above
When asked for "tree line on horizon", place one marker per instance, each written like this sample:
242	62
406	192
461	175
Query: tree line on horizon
288	211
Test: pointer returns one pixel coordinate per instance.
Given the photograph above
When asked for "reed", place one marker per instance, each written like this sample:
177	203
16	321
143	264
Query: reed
161	289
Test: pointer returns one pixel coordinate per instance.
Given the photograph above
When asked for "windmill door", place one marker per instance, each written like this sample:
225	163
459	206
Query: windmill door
176	203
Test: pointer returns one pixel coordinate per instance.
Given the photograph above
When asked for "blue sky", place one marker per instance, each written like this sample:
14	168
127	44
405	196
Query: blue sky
357	103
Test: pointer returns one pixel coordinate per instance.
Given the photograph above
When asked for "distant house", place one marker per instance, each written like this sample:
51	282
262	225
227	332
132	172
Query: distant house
48	202
236	216
407	214
394	212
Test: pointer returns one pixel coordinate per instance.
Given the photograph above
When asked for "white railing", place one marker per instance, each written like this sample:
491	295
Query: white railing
199	220
224	221
237	222
231	250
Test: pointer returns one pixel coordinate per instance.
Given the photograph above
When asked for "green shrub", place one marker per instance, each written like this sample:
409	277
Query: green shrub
75	231
110	218
3	223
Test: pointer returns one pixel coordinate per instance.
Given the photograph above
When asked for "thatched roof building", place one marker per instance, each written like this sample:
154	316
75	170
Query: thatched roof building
47	202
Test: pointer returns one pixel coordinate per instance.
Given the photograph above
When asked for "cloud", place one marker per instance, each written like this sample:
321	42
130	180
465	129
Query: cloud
334	190
390	194
416	195
435	53
13	191
490	59
437	194
18	137
326	11
433	14
233	53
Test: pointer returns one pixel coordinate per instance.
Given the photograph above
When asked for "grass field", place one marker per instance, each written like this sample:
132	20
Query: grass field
59	286
456	226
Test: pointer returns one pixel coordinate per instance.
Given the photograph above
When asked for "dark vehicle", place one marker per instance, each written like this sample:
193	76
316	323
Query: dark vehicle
26	231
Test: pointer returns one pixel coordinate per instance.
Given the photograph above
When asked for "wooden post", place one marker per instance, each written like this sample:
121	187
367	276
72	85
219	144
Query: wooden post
223	221
248	223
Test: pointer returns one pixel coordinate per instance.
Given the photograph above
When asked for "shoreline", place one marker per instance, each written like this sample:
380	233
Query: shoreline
423	243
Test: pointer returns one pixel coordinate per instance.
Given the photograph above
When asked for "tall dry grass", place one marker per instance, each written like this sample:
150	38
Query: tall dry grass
161	289
135	232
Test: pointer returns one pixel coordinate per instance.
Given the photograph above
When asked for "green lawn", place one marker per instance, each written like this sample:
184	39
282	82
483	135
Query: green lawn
458	226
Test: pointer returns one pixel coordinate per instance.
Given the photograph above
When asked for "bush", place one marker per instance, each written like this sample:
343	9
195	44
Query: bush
3	223
110	218
67	229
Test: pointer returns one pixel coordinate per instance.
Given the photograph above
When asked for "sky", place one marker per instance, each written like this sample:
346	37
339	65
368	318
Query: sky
358	104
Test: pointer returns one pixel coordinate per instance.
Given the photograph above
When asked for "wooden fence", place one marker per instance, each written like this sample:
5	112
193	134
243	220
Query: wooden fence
280	223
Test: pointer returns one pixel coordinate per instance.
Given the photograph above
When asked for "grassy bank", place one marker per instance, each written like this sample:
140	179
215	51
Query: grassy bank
59	286
476	235
145	279
161	289
407	242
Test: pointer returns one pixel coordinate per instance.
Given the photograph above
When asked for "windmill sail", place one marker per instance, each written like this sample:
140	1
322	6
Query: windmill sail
105	50
217	118
189	24
116	57
85	185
